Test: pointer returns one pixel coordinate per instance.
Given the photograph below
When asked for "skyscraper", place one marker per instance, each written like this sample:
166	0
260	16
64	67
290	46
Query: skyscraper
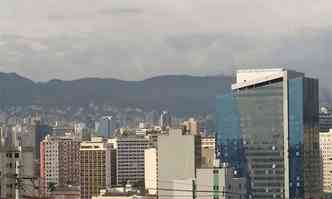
268	129
150	170
106	126
60	161
96	171
165	120
130	159
40	132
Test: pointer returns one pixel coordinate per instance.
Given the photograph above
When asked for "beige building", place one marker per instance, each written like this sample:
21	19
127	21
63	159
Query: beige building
326	155
178	157
208	151
191	127
96	167
150	170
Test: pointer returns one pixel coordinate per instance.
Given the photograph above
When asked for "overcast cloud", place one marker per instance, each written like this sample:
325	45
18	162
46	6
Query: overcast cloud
127	39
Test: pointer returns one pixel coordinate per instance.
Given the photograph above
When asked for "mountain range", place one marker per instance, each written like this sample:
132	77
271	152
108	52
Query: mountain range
181	94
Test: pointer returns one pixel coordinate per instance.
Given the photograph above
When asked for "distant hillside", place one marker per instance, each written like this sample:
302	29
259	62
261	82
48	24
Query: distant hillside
177	93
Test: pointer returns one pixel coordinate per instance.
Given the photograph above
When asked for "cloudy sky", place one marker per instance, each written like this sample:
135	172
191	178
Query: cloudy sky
136	39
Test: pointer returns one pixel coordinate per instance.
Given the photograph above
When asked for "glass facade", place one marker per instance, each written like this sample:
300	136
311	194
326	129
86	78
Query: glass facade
251	137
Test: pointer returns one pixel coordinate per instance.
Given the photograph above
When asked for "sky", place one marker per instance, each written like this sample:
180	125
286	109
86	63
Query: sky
138	39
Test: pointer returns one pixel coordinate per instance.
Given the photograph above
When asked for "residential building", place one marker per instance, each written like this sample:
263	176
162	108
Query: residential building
326	160
268	130
60	161
150	170
191	127
95	167
178	157
208	151
130	159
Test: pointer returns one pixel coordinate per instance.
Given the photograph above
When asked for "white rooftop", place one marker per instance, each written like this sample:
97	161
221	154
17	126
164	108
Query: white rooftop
248	77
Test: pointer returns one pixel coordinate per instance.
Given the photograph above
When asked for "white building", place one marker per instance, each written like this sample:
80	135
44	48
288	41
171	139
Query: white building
150	168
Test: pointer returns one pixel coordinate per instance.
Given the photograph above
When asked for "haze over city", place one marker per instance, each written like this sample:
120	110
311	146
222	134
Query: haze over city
47	39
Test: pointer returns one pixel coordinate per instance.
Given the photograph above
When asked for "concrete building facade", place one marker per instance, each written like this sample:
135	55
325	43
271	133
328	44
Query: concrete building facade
13	160
95	167
326	160
130	159
219	183
178	157
60	161
150	170
191	127
208	151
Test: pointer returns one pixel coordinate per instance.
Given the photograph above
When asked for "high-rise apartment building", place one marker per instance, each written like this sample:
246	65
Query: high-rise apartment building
150	170
268	129
130	159
178	157
39	133
326	161
191	127
95	167
208	151
60	161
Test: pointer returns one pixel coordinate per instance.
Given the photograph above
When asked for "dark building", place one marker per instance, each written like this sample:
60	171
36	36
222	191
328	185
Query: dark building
268	129
41	130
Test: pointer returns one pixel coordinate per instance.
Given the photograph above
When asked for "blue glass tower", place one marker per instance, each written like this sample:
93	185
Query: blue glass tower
106	127
268	130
